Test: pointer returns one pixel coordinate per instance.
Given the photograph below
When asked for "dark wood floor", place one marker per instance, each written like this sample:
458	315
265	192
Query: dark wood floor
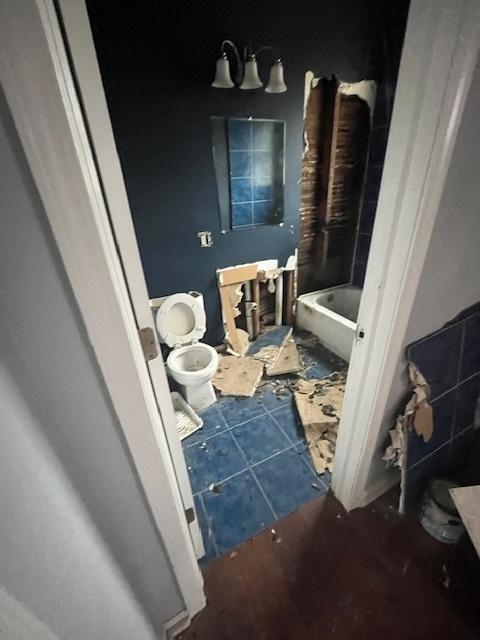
366	575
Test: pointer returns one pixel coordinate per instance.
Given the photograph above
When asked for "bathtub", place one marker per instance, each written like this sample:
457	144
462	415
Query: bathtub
331	315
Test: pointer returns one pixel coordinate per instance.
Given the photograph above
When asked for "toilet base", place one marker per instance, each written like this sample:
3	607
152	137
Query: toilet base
199	396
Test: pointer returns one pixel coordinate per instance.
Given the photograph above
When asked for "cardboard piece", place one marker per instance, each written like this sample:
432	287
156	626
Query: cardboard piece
238	376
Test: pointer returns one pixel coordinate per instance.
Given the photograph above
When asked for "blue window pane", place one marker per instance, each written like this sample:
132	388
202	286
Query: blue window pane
262	212
255	158
242	215
240	164
262	163
241	190
263	136
262	188
239	134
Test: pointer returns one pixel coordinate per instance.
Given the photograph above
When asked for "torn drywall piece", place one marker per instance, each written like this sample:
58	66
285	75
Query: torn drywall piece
242	342
237	274
418	407
268	345
238	376
418	415
287	360
236	295
319	404
365	89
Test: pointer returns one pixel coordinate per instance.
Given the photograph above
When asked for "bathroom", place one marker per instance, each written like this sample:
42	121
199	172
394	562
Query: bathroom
158	64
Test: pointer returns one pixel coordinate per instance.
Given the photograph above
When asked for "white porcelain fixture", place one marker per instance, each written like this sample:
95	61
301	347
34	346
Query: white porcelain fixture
276	83
331	315
181	323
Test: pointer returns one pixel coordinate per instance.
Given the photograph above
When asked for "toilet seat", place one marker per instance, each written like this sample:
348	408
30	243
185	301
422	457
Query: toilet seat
181	320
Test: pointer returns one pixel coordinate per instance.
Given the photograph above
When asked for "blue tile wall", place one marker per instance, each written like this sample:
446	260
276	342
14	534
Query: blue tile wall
256	171
373	175
449	360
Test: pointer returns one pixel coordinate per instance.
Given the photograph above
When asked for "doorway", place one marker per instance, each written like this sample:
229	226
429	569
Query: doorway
344	475
233	471
428	110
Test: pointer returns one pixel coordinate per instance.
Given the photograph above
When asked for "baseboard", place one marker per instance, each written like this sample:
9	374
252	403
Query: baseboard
377	489
177	624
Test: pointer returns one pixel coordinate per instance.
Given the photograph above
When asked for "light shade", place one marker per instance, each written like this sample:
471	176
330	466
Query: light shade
276	83
223	79
251	79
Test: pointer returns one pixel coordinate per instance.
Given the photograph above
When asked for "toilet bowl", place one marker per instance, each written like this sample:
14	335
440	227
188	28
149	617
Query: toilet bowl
181	322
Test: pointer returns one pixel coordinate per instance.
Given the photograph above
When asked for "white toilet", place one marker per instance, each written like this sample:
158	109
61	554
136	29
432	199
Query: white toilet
181	323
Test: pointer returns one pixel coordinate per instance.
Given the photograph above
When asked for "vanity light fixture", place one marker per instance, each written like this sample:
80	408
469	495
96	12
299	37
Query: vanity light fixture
246	70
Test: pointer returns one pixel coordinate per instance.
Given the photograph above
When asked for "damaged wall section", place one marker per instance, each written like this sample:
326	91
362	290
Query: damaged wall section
449	359
160	102
336	131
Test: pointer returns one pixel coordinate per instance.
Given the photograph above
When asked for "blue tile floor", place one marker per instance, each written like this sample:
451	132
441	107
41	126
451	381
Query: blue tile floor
249	465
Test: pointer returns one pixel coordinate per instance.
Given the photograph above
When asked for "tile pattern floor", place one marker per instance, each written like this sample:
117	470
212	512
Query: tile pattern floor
253	451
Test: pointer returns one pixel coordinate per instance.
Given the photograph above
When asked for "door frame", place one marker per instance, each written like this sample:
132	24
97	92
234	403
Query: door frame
36	77
437	64
82	54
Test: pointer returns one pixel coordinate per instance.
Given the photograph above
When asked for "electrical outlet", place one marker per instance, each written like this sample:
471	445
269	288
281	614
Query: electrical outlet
206	239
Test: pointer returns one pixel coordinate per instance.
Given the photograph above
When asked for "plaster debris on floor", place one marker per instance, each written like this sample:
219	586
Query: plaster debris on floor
267	444
238	376
319	404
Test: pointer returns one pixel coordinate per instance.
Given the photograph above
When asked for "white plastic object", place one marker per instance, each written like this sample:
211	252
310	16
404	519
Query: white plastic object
187	420
181	319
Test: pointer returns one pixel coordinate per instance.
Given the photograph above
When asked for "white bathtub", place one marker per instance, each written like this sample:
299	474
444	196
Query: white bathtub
331	315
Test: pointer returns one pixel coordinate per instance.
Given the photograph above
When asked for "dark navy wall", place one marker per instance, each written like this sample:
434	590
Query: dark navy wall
386	71
157	61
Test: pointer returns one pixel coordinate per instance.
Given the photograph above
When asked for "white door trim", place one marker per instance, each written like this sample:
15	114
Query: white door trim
36	78
89	82
439	56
